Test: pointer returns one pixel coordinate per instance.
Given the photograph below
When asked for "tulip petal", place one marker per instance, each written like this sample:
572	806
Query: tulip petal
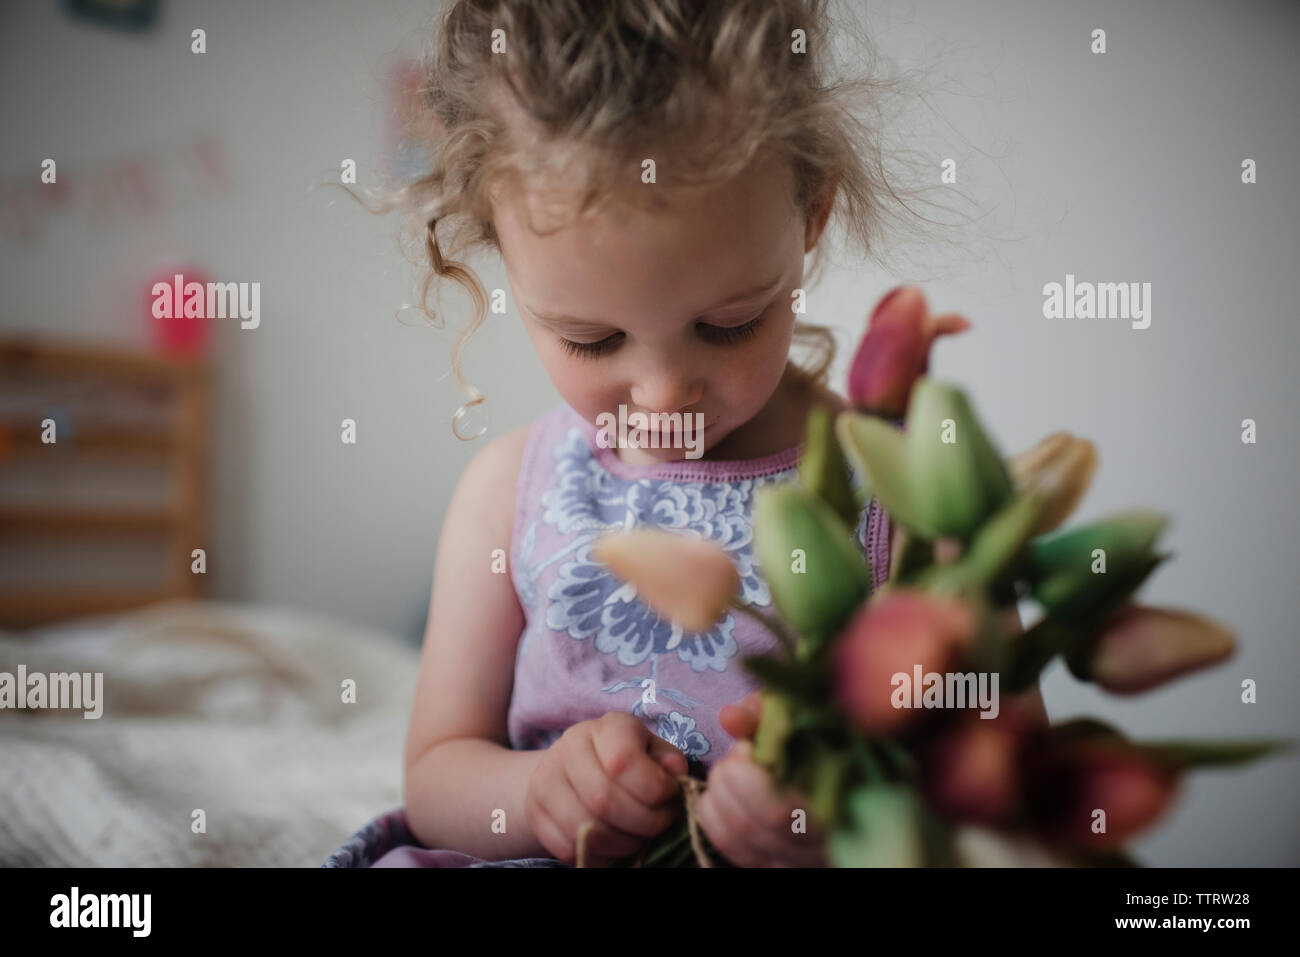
810	561
1069	778
1060	467
892	634
879	452
958	477
1142	647
688	581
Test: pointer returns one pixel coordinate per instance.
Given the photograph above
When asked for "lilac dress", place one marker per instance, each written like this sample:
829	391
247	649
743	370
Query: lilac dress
589	645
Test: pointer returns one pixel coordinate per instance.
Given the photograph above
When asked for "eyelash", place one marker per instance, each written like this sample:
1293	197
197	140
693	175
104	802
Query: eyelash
723	335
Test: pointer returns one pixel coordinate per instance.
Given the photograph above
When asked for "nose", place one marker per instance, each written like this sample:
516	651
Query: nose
666	389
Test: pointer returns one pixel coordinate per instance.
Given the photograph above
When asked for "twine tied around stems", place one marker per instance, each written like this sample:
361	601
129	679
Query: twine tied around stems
691	789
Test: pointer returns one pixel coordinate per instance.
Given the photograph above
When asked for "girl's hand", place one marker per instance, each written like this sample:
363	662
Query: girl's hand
611	771
744	816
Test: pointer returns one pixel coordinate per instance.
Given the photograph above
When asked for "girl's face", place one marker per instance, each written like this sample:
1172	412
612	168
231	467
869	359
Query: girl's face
684	308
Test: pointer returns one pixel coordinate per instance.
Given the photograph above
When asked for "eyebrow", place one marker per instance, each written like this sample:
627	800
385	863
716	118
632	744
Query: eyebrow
754	292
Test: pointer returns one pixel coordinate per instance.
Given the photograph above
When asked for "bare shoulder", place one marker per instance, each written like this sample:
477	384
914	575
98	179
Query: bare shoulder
505	450
492	474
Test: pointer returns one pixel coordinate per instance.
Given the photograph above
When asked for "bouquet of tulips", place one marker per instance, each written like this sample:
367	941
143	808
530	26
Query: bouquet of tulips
870	709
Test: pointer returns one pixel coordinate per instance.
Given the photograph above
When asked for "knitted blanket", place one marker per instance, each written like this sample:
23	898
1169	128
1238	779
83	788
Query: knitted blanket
225	738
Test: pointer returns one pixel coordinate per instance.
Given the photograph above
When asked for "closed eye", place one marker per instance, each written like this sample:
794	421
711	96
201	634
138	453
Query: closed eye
717	335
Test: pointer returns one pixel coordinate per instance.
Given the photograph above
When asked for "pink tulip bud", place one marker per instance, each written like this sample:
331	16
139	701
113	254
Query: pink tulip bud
891	634
895	351
971	770
690	582
1143	647
1068	784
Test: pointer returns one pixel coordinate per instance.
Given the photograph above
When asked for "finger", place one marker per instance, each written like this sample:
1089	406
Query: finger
622	749
743	824
564	847
568	812
740	720
609	802
669	756
750	788
721	833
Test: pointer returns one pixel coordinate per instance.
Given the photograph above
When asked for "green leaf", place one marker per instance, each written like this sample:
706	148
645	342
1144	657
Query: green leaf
1084	728
1184	754
823	469
800	680
1000	544
1033	650
915	555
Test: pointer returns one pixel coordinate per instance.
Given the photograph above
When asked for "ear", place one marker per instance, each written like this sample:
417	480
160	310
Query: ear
819	214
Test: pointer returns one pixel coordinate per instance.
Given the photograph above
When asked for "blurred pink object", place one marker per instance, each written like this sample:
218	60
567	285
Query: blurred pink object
971	770
1143	647
178	334
1068	781
895	351
890	635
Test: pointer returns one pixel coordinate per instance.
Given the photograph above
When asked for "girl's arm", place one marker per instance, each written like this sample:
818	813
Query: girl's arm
459	769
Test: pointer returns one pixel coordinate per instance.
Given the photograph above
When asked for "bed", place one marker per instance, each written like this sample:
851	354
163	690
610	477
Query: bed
233	710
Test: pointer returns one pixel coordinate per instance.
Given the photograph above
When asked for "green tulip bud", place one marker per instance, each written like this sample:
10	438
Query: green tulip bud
810	561
958	476
879	453
1067	567
823	469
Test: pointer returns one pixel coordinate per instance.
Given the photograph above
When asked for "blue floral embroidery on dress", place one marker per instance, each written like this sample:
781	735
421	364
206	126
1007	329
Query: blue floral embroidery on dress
588	601
679	730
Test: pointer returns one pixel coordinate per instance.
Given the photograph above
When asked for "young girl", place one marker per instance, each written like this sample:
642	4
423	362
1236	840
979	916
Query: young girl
653	174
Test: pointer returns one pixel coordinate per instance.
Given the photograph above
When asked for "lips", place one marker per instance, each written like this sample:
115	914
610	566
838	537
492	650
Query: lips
671	432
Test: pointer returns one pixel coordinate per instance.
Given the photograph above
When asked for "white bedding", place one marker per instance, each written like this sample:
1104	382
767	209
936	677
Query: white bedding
233	709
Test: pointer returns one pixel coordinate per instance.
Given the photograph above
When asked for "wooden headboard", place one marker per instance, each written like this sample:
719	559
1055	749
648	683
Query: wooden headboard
71	413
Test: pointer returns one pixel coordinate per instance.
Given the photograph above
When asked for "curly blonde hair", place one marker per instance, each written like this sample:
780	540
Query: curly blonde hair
518	87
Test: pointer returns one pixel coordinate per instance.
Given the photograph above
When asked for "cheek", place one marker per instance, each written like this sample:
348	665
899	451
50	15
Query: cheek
582	383
579	382
753	370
